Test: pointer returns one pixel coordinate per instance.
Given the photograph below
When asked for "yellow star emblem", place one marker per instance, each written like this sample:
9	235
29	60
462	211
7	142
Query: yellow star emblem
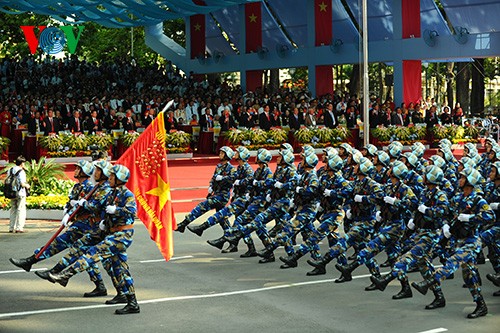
162	192
322	7
197	27
253	18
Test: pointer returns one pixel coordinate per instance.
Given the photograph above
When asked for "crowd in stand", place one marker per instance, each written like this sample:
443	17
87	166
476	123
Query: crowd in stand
70	94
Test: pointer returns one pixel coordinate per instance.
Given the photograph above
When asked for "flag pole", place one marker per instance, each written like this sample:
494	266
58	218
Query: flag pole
366	81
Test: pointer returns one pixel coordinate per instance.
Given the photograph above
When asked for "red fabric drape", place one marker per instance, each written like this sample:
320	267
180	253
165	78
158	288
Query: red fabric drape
411	18
412	80
323	22
254	80
253	26
324	80
197	29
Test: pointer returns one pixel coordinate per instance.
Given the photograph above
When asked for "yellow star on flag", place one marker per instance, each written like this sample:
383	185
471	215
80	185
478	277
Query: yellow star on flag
253	18
197	27
162	192
322	7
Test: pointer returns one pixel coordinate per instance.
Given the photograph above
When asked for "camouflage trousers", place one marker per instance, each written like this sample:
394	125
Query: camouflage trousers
212	202
278	210
235	208
491	238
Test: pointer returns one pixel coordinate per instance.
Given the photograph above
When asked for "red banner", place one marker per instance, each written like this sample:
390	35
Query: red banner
323	22
254	80
324	80
253	26
197	30
412	81
147	162
411	18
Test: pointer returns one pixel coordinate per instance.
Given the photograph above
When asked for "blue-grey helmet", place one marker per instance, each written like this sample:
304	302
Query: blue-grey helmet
467	162
347	147
287	157
307	150
286	146
383	158
105	167
228	152
330	151
471	149
264	156
311	160
399	170
394	149
444	143
472	175
335	163
121	172
447	153
418	150
86	167
411	158
434	174
243	153
438	161
371	149
365	166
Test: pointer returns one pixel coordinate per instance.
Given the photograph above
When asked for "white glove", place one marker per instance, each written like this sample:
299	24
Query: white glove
378	217
411	225
111	209
247	196
219	178
390	200
102	226
358	198
65	220
65	211
278	185
237	182
327	192
446	231
465	217
318	207
494	205
210	191
348	214
73	203
81	202
268	198
255	182
297	190
291	203
422	208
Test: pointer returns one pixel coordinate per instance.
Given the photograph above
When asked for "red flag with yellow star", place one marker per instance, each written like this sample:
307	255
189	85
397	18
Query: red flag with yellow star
147	162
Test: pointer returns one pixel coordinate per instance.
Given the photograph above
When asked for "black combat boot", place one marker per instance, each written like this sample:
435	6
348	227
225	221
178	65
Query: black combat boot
496	293
25	263
321	264
291	261
45	274
423	286
181	227
63	277
382	282
317	271
267	251
495	278
231	248
251	249
481	310
481	260
438	302
373	286
100	290
218	243
131	307
118	299
347	270
198	229
405	290
235	237
265	260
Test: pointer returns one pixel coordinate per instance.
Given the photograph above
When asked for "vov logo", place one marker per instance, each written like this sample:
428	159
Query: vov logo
52	40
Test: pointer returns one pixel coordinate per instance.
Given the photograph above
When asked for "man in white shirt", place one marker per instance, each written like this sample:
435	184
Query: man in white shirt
18	205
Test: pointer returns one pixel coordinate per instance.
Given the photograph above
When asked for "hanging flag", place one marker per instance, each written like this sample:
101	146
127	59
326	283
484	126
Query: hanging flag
147	161
323	22
253	26
411	22
197	29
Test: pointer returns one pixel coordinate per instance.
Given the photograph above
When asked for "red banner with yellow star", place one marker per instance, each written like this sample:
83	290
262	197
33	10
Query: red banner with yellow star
323	22
197	29
147	162
253	26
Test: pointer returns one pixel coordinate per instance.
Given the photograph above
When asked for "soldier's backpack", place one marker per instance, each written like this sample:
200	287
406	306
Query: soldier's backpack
12	185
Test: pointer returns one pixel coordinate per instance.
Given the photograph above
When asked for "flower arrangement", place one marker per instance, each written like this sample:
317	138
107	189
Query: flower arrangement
176	142
322	136
128	138
39	202
4	143
455	133
406	135
256	138
67	144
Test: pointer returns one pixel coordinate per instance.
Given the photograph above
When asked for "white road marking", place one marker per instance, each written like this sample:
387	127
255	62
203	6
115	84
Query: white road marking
160	260
23	271
188	200
436	330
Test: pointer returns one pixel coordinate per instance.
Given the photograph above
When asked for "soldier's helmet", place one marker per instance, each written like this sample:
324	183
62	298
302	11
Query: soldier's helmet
347	147
434	174
371	149
473	176
438	161
287	156
311	160
418	150
383	158
411	158
471	149
264	156
496	165
105	167
228	152
307	150
86	167
444	143
330	151
286	146
399	170
335	163
467	162
121	172
365	166
394	149
243	153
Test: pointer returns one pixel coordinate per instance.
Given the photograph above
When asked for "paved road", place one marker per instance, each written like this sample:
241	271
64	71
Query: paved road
201	290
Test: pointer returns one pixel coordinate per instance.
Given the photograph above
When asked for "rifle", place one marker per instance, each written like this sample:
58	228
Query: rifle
73	214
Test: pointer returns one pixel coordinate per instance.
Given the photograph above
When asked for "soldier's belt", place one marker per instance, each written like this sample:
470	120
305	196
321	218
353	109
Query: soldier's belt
121	228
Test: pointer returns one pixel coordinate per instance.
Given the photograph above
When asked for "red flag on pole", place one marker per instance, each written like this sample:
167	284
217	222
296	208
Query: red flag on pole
253	26
323	22
147	162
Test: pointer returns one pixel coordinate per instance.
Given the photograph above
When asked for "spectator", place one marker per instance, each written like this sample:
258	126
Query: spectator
111	121
431	118
310	120
170	121
75	124
397	117
265	119
18	205
276	118
194	120
227	121
330	118
128	122
36	124
207	120
295	120
93	124
445	117
457	114
150	117
51	124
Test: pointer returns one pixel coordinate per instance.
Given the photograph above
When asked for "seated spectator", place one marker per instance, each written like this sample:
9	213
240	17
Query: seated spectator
194	120
445	117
